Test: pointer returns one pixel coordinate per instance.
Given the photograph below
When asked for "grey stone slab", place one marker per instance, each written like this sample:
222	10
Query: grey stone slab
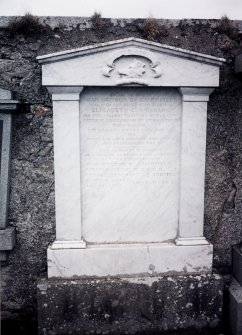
238	64
7	238
1	136
8	106
129	305
3	257
6	94
237	263
235	307
5	167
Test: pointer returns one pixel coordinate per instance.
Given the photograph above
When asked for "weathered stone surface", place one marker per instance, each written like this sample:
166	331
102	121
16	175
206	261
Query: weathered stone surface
223	191
31	211
129	305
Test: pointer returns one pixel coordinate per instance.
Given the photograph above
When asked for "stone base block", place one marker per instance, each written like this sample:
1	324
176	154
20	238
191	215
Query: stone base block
237	263
3	258
129	305
235	307
7	242
136	259
7	238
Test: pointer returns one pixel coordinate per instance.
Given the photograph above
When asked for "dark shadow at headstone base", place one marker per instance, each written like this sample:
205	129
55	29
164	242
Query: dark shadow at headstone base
29	327
20	327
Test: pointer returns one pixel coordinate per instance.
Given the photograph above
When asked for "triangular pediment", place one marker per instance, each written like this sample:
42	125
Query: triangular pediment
130	42
130	61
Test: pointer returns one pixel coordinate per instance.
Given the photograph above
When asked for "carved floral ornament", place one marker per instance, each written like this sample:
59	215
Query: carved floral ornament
132	67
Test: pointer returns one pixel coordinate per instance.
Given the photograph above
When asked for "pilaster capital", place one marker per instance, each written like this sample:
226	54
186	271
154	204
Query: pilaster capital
196	93
65	93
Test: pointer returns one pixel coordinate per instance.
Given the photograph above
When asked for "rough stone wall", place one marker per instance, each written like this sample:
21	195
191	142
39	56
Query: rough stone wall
32	176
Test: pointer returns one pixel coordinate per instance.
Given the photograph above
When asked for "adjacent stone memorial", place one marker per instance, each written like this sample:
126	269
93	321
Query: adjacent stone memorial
235	291
7	233
129	141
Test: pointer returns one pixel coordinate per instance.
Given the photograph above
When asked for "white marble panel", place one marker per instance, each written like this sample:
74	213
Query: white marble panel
130	149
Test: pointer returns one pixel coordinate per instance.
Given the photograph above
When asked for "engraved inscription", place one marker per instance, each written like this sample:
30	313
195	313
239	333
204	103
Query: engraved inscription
130	163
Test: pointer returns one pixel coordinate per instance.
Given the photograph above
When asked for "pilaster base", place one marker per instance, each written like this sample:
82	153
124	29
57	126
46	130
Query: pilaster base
191	241
68	245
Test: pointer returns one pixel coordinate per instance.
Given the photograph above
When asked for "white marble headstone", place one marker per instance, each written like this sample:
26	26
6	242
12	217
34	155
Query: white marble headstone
129	143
